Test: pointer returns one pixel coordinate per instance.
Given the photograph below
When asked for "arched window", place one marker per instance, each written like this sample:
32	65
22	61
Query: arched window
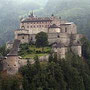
23	27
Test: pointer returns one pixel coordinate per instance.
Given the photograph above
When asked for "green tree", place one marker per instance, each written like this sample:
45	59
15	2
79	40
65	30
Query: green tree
41	40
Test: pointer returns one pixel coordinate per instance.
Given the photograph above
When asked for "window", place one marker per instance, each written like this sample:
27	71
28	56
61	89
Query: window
65	29
23	27
40	26
27	26
58	36
31	38
14	65
46	26
22	37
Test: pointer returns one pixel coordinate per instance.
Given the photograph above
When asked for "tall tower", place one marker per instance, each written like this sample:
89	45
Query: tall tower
11	63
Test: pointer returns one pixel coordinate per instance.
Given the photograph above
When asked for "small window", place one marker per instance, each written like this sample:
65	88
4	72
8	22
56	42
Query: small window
65	29
22	37
23	27
14	65
31	38
46	26
40	26
58	36
27	26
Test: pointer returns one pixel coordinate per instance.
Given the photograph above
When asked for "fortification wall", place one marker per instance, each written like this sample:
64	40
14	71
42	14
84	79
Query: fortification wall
77	50
37	30
54	30
16	32
23	38
61	52
69	29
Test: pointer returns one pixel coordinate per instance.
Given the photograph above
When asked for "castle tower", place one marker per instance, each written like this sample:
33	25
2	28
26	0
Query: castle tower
11	65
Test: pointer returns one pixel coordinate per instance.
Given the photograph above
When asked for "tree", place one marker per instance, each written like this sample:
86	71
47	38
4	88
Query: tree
37	64
41	40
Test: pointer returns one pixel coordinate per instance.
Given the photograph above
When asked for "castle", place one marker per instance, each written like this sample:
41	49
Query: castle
59	32
62	35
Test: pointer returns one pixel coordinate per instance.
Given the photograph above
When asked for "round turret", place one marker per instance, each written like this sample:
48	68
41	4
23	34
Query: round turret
11	65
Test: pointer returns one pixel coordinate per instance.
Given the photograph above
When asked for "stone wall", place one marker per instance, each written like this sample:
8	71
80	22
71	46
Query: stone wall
69	28
77	50
61	52
9	45
24	38
10	65
22	31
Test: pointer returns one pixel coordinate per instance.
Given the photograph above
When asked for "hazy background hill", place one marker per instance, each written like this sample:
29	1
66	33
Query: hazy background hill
10	13
77	11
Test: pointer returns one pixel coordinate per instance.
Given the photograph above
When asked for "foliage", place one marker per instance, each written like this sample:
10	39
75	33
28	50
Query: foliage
3	51
86	49
10	82
41	39
29	51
